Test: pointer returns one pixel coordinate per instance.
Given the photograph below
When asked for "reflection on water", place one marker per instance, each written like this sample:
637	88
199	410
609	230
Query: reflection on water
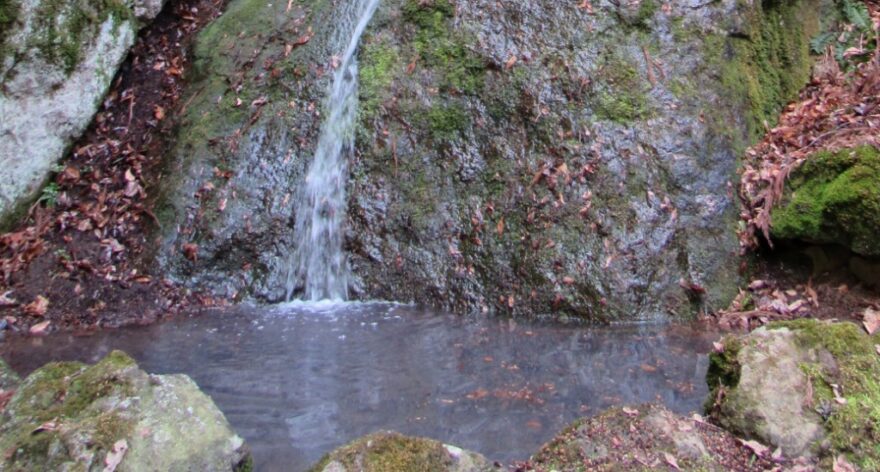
299	380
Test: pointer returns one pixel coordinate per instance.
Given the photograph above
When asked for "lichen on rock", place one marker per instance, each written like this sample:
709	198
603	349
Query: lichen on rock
834	197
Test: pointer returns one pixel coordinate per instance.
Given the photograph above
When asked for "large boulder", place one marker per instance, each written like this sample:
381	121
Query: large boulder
807	387
70	416
535	157
834	197
57	59
394	452
646	437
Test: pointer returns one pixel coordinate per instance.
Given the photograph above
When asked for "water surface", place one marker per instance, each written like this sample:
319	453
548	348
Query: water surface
297	381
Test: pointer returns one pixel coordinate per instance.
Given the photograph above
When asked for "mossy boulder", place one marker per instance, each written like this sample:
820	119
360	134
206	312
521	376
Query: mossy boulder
808	387
643	437
71	416
57	60
393	452
834	197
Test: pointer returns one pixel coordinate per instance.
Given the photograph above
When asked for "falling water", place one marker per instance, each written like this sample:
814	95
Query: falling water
318	264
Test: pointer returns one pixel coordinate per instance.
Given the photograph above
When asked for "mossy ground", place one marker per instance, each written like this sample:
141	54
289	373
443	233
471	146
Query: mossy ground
834	198
389	452
9	12
621	93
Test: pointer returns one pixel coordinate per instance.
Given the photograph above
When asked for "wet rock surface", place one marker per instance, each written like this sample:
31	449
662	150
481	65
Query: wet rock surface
68	416
531	157
393	452
57	60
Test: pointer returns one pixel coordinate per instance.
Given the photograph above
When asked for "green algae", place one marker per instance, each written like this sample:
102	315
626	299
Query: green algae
447	121
834	198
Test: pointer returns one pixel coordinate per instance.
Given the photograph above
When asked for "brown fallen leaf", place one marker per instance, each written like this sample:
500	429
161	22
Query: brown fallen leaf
670	459
40	329
159	113
6	300
191	251
511	61
499	228
759	449
871	320
46	427
37	307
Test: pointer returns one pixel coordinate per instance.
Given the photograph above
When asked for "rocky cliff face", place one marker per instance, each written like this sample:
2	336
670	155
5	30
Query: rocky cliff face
527	157
57	59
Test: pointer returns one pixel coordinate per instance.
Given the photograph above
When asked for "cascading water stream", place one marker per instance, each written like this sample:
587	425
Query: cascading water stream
318	264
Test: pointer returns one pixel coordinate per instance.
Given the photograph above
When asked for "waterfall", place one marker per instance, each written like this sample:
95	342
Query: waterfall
318	261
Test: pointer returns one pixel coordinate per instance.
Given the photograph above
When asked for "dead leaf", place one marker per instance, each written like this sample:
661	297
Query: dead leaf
871	320
759	449
630	411
511	61
191	251
670	459
114	457
6	300
499	228
159	113
40	329
46	427
37	307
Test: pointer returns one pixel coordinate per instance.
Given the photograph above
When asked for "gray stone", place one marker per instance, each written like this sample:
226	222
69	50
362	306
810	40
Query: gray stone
773	399
57	61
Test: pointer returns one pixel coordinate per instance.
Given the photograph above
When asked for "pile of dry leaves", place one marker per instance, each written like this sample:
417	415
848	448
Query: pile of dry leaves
75	259
837	110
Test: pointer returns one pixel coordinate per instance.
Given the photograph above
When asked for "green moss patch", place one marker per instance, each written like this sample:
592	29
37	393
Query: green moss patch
442	49
379	59
834	198
620	93
853	428
390	452
767	63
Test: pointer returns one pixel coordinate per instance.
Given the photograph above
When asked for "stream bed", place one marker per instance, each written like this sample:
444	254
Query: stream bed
298	380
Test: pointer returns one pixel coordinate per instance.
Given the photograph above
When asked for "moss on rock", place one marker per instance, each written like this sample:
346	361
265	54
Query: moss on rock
834	197
814	373
765	61
68	416
393	452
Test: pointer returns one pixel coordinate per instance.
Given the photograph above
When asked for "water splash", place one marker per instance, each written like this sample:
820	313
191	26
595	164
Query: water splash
318	265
